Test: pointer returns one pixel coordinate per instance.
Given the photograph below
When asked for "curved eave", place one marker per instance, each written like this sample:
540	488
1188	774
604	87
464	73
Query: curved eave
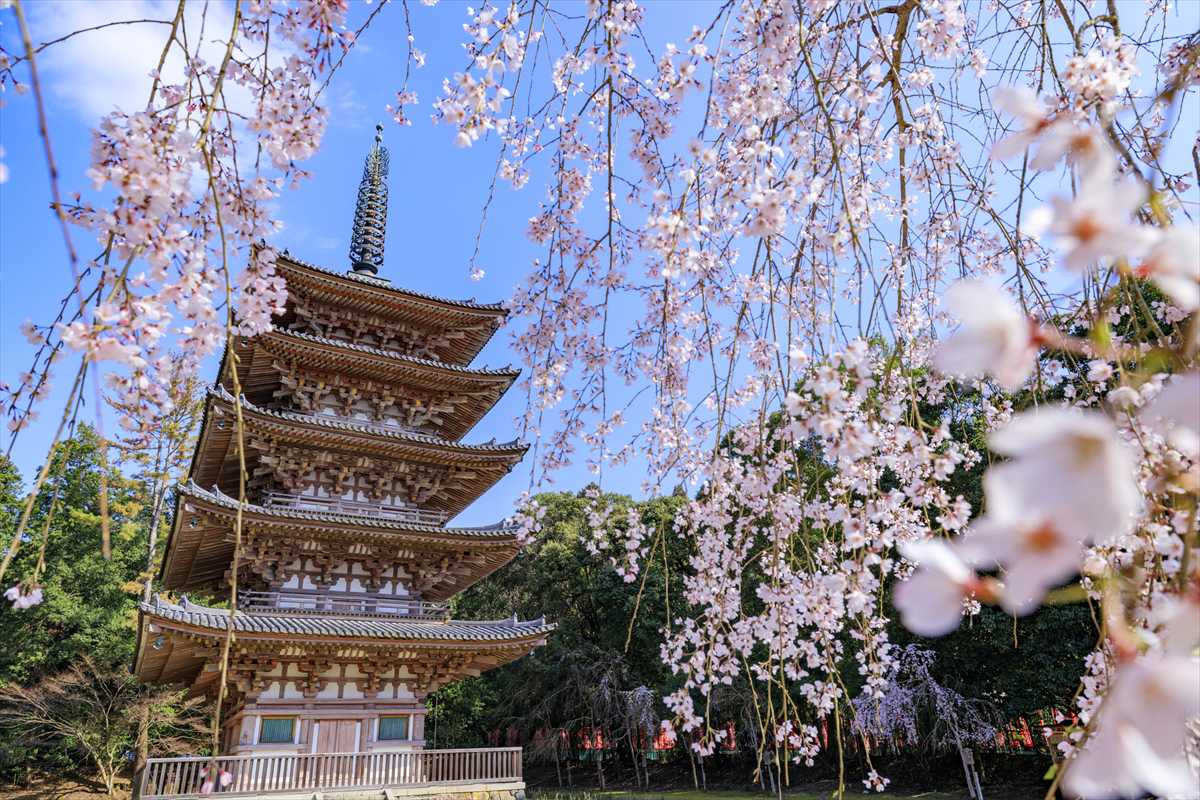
191	635
377	361
301	520
215	460
258	373
197	556
365	294
359	436
206	621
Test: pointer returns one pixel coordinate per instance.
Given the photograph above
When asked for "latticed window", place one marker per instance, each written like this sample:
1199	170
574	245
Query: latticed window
393	728
277	730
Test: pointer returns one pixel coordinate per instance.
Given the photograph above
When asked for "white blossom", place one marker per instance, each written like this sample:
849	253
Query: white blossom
930	601
1173	263
994	337
1093	497
1138	743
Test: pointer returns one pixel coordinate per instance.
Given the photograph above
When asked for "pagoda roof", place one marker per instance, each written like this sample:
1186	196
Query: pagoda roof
479	388
399	361
198	554
204	619
177	641
215	460
373	295
304	519
219	396
351	279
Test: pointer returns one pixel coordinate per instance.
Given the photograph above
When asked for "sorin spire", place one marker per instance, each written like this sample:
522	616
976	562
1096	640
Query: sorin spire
370	212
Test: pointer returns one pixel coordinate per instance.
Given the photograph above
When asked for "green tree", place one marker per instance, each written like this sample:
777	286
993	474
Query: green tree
579	680
88	606
96	713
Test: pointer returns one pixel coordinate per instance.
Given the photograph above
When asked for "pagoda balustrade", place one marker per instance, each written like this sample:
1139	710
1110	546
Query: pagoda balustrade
269	773
339	505
390	425
342	604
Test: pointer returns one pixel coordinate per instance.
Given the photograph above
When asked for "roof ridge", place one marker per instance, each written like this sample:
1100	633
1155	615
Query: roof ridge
193	489
219	390
367	348
384	283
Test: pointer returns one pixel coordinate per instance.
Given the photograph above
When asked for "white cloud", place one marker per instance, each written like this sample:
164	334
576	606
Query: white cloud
97	71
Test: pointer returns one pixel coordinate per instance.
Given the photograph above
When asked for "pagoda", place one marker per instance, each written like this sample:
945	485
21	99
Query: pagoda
354	406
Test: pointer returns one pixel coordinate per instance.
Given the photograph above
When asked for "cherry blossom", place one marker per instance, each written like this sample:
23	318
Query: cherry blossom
22	596
1177	409
995	336
1096	225
1022	103
1035	553
1077	452
1138	743
930	601
1173	263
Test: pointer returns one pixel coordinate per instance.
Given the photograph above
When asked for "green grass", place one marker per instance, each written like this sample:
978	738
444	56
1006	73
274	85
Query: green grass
822	793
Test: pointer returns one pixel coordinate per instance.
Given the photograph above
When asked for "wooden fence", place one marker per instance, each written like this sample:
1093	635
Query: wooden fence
262	773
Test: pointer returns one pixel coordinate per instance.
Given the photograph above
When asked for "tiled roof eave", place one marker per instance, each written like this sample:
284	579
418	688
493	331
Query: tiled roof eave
496	309
514	449
213	621
294	338
501	533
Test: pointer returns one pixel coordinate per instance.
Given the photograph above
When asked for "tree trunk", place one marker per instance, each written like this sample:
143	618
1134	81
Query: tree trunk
160	495
637	775
109	776
143	751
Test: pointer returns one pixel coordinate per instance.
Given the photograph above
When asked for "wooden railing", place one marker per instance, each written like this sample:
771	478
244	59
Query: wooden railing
341	603
338	505
262	773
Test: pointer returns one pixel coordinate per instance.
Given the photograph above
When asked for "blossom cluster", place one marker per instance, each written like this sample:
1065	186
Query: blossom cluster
784	197
744	240
1124	471
190	202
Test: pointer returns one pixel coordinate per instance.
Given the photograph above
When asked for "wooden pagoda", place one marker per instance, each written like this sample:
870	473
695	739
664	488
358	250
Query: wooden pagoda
353	408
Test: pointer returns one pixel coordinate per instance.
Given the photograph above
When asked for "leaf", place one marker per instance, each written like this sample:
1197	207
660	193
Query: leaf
1101	334
1075	593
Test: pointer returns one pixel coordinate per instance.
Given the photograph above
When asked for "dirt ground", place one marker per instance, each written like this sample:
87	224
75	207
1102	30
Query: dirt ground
50	789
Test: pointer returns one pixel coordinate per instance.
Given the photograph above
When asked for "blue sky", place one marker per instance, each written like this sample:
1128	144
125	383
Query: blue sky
436	189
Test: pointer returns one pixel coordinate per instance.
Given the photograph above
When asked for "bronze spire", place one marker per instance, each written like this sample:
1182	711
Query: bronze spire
370	212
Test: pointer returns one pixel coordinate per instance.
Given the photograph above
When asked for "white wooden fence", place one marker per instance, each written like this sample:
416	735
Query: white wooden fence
261	773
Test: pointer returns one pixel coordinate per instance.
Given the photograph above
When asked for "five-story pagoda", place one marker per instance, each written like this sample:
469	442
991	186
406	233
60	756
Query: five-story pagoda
353	408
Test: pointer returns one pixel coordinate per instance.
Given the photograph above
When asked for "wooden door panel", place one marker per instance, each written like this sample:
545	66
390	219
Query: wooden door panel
337	736
346	736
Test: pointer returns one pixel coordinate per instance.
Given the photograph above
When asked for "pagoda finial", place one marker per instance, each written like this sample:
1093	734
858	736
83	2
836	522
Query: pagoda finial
370	212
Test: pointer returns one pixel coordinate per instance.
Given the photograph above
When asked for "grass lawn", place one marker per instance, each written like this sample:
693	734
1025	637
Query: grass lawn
813	792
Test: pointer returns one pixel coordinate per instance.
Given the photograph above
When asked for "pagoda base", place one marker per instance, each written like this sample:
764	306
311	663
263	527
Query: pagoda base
325	726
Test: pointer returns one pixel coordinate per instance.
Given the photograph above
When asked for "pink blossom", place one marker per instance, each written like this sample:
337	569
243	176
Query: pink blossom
1141	728
1077	452
1096	225
930	602
995	336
